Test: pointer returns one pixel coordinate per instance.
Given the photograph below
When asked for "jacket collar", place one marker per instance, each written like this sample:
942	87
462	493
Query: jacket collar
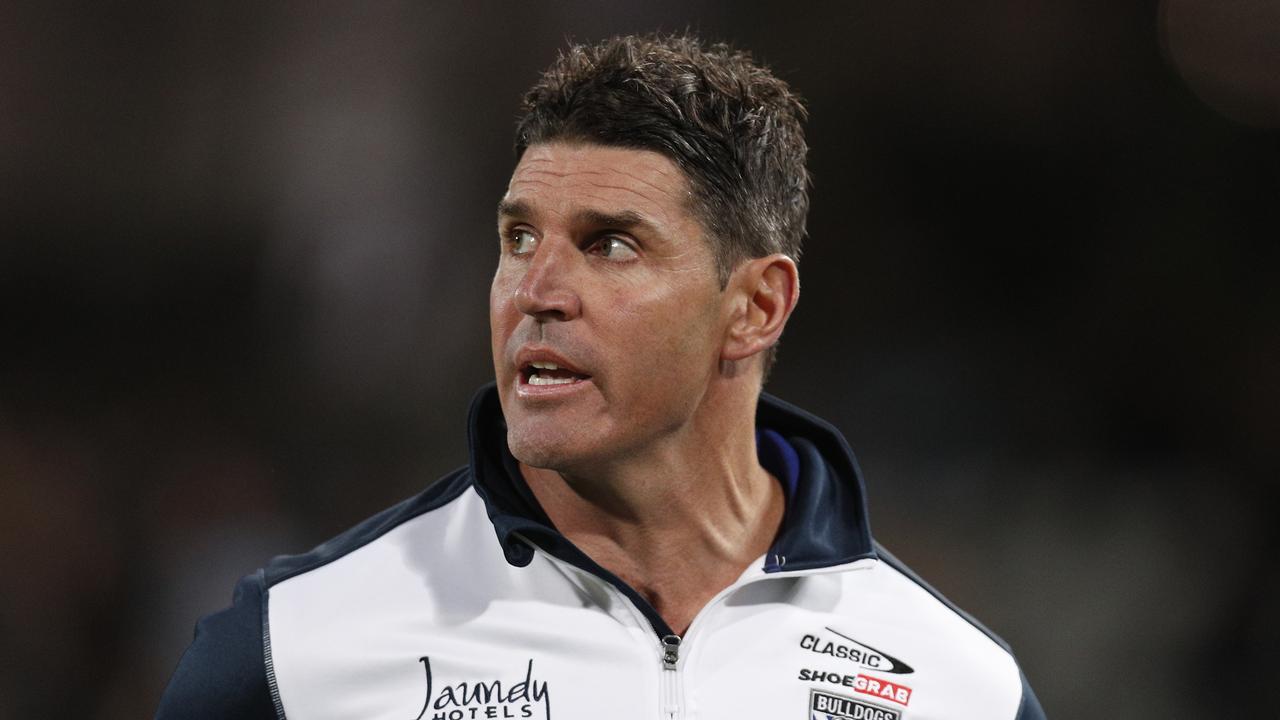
825	522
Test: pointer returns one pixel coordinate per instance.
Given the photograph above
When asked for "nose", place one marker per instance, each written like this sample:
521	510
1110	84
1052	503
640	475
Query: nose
546	292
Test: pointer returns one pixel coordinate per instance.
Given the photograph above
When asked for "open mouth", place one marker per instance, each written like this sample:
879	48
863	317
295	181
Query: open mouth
548	373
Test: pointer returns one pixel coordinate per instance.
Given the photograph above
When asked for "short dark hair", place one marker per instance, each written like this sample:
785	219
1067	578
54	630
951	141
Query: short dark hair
727	122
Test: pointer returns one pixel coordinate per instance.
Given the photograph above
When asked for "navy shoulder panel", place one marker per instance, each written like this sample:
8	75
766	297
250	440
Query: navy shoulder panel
901	567
439	494
1030	708
223	673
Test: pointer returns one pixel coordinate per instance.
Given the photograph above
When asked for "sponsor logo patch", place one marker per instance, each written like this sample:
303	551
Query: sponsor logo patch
881	688
825	706
836	644
524	697
865	684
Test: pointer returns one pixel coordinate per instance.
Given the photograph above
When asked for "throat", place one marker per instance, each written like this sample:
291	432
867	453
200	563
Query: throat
678	573
676	606
675	545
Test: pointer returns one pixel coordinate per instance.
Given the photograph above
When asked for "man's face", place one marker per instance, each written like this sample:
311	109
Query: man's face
605	311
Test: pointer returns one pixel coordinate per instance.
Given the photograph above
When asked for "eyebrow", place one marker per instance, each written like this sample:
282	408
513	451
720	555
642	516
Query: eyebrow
622	220
513	208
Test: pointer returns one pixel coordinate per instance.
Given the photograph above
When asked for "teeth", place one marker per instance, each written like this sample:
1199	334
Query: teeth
539	380
545	365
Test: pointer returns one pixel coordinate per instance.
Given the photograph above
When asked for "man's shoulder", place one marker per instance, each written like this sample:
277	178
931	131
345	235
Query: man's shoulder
937	635
436	497
946	610
227	671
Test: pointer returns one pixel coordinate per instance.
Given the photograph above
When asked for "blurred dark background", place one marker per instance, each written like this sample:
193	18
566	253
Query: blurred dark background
244	273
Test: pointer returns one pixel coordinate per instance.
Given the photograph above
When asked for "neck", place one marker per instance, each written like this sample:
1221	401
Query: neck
679	522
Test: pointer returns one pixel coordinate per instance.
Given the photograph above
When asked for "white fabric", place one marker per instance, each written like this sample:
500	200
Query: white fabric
347	637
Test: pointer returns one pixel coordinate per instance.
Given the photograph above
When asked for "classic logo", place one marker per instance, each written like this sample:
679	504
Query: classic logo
865	684
846	648
526	698
825	706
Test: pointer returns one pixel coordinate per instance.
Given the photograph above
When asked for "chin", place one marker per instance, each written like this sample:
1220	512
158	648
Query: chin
559	451
545	452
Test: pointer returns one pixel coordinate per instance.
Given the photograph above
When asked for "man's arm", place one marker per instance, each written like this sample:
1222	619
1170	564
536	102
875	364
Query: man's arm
223	674
1030	708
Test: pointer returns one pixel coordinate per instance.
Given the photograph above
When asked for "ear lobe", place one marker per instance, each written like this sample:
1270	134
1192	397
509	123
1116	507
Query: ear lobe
770	287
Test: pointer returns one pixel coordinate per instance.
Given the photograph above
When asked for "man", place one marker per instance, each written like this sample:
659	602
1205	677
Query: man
669	541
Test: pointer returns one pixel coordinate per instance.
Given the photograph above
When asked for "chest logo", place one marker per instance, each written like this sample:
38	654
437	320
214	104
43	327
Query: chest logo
876	687
825	706
526	697
838	645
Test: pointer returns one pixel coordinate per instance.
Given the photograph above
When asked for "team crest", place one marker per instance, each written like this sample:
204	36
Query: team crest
825	706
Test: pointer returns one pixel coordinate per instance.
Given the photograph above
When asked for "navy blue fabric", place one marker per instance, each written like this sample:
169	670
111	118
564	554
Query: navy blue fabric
783	463
826	519
825	522
779	458
223	672
1030	708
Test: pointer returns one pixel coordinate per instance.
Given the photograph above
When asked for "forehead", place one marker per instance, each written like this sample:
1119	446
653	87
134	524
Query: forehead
567	178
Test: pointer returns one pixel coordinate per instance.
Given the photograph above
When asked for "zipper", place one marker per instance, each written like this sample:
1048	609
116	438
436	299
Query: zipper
670	651
672	692
671	679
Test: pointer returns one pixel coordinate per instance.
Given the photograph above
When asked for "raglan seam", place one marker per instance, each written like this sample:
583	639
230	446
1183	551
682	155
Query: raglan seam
902	569
911	575
450	488
267	662
460	480
1029	700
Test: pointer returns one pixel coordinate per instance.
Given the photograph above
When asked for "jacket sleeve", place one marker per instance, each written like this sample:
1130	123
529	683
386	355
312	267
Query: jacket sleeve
223	673
1030	708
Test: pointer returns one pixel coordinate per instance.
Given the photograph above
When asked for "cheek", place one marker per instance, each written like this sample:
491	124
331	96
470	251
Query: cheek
502	295
501	322
670	336
497	290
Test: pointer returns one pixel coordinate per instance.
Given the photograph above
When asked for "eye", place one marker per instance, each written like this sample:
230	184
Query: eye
613	247
521	241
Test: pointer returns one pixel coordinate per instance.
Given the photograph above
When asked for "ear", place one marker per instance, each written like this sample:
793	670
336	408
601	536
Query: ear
765	291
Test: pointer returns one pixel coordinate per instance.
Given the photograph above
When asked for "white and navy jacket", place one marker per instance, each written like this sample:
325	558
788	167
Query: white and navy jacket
421	613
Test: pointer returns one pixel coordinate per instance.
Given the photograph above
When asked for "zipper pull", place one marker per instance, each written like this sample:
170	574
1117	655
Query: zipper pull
670	651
